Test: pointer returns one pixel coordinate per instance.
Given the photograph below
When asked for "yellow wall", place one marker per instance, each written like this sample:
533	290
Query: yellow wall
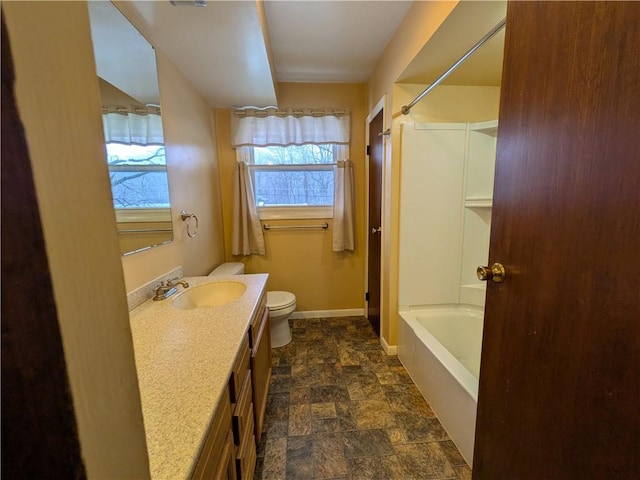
447	103
59	104
302	261
194	183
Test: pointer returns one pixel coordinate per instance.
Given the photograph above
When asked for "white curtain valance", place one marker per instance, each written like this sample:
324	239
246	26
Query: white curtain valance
133	128
272	127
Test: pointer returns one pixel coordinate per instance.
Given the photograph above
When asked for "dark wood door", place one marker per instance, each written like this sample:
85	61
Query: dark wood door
560	372
375	220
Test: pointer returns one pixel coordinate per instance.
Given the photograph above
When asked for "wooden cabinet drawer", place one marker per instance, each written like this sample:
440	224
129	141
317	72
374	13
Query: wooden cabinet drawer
240	371
258	321
246	454
214	449
261	372
226	468
243	413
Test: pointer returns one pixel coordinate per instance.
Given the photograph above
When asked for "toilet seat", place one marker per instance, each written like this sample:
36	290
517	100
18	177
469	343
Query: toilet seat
278	300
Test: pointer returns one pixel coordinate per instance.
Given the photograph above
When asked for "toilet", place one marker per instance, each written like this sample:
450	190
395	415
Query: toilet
280	304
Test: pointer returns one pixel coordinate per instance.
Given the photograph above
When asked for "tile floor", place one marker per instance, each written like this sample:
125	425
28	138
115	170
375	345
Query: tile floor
340	408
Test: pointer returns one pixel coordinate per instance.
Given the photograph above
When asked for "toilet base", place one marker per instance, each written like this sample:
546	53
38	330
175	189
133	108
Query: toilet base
280	332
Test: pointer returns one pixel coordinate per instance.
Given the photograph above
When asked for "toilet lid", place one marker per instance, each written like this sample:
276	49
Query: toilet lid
277	300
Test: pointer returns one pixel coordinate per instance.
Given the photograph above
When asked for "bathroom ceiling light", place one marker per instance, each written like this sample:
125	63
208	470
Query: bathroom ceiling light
188	3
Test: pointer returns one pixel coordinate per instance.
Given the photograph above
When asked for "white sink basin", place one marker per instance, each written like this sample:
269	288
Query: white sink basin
209	295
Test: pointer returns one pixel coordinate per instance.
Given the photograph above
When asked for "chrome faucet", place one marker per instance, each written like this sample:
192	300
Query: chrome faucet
168	288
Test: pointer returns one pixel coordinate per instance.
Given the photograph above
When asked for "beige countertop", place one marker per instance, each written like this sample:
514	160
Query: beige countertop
184	359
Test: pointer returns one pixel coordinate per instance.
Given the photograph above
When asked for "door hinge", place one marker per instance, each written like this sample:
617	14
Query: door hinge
368	149
366	296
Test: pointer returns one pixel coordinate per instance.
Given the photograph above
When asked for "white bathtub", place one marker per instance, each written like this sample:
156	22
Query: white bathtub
440	348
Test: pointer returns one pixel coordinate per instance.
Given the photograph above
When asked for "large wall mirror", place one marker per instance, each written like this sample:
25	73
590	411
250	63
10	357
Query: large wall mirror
131	115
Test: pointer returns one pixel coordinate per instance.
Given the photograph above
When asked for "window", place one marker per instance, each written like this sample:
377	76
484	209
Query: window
292	164
296	175
138	176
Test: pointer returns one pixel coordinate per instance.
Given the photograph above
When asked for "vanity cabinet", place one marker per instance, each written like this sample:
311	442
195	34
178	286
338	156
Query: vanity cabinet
229	451
260	338
217	459
241	392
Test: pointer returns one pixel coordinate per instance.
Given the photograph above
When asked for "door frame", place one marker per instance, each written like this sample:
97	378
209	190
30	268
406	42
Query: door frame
380	105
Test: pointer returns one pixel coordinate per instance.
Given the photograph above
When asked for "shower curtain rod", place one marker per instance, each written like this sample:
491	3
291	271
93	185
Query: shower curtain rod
407	108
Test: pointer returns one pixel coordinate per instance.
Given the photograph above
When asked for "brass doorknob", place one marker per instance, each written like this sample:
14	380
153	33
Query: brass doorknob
495	272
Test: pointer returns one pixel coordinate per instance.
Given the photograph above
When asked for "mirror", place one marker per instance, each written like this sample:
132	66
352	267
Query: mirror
131	115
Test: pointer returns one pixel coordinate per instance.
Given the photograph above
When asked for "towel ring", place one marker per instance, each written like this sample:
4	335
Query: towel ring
186	217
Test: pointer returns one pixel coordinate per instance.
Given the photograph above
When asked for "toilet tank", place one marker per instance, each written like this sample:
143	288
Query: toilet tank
229	268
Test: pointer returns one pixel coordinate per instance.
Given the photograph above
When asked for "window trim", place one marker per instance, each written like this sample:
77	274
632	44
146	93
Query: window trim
135	215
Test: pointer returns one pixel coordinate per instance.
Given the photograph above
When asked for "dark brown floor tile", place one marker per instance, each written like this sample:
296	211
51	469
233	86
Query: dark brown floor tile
452	453
401	389
299	463
323	410
363	377
283	355
299	395
373	391
372	356
281	370
396	435
373	414
328	456
275	459
350	369
410	403
274	429
425	461
387	378
329	393
278	407
403	376
280	384
346	416
326	425
304	375
300	357
366	443
300	419
464	472
376	468
277	399
393	361
421	429
348	356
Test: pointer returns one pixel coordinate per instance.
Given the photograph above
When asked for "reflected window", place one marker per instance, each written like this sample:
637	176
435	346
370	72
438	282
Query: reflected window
138	176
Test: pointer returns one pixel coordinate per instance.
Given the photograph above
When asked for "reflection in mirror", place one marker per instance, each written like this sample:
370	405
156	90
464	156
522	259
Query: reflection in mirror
126	69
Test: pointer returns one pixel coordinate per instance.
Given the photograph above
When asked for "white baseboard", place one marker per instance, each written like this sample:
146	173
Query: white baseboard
388	349
348	312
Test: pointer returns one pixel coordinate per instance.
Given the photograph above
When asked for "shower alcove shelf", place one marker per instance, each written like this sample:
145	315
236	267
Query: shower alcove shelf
478	200
447	174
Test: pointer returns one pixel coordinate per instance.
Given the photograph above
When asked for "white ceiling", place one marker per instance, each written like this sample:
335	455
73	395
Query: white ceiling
330	41
235	52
